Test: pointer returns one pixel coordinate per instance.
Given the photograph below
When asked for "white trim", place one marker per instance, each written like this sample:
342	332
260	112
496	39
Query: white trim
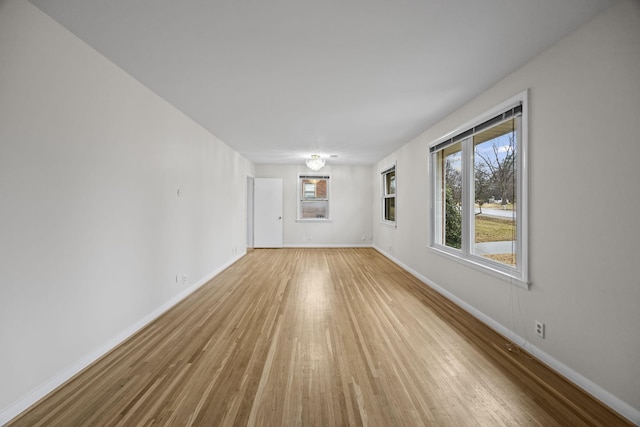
483	267
7	414
604	396
522	205
390	224
500	108
328	246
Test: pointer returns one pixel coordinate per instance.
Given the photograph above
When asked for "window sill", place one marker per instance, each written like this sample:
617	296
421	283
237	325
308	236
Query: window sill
389	224
469	262
314	220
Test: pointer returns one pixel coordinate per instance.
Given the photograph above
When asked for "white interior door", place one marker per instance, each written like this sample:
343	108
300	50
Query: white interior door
250	211
267	230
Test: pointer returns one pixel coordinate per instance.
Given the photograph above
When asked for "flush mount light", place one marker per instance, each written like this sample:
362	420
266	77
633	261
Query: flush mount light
315	163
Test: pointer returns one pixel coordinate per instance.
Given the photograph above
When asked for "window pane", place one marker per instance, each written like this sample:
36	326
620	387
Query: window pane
390	183
316	209
309	190
390	209
314	189
494	171
449	203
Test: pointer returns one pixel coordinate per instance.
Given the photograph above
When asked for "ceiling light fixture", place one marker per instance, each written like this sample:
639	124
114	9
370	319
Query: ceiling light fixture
315	163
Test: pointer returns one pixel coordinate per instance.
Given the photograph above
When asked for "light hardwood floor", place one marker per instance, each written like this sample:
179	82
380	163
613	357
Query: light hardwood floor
323	337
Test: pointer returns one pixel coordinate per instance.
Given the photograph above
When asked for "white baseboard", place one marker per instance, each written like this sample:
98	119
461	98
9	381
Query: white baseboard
318	245
32	397
618	405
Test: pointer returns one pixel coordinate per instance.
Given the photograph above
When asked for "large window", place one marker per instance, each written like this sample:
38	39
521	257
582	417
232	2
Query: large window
389	195
479	191
313	197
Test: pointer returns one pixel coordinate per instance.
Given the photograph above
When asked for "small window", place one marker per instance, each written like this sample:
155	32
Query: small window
389	195
479	195
313	199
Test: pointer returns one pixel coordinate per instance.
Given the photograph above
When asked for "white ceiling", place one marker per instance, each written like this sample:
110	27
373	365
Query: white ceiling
278	80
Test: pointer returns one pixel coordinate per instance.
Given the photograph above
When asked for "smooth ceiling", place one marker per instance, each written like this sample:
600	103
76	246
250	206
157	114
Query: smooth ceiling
279	80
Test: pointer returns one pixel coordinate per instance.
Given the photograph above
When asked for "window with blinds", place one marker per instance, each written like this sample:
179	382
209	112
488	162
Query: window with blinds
479	192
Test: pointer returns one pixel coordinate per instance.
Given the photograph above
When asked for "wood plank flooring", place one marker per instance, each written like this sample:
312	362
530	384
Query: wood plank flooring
317	337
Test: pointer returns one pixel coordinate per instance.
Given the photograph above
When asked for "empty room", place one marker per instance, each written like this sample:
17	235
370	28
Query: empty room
319	213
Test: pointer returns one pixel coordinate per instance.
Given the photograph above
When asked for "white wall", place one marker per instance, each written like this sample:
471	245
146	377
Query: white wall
350	204
584	208
92	231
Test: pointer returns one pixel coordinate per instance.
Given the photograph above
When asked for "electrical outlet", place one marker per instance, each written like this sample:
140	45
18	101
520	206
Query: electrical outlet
540	329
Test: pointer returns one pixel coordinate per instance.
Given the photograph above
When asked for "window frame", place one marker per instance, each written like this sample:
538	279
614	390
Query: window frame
517	275
300	199
384	195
